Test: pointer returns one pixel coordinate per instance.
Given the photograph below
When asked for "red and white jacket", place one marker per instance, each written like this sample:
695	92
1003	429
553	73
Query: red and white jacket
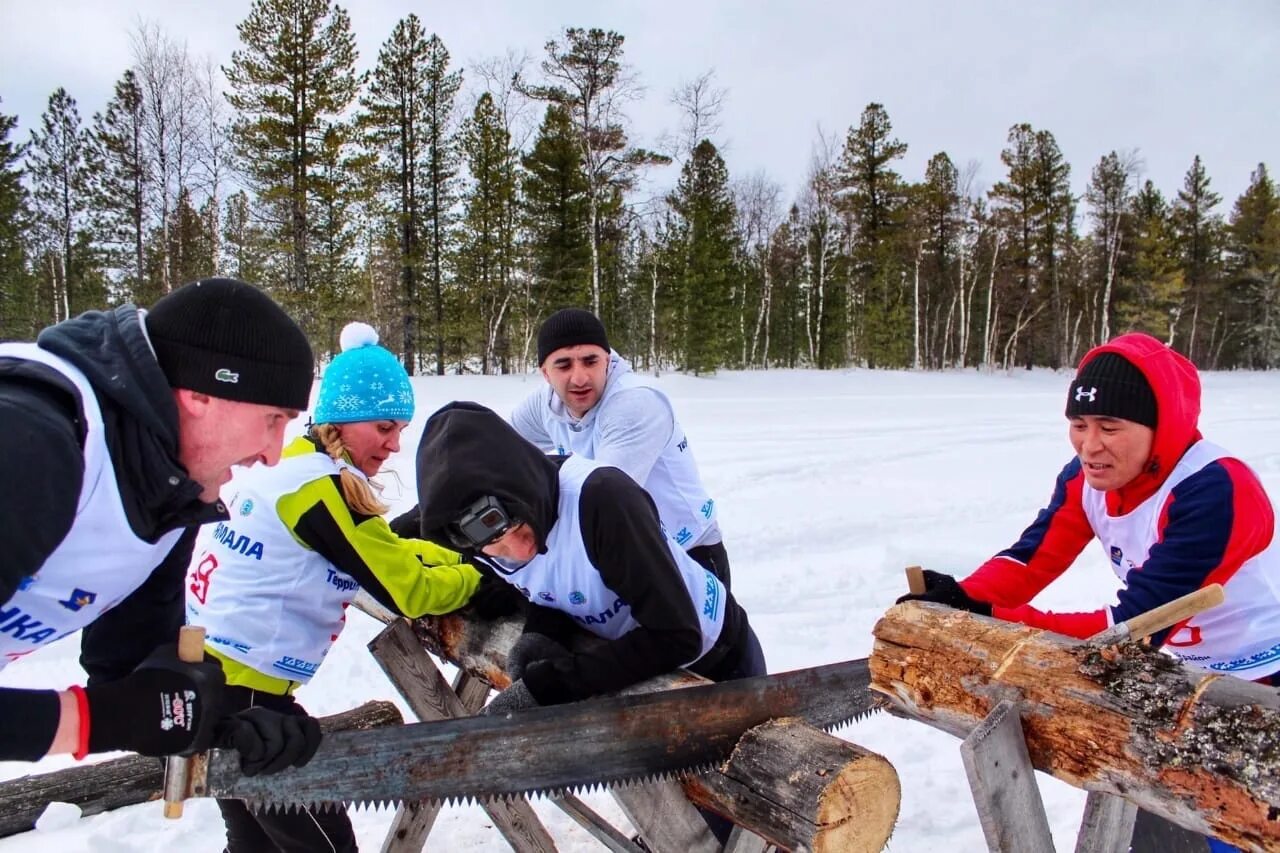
1194	517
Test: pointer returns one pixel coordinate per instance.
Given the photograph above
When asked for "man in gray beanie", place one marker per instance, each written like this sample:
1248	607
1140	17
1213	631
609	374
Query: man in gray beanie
120	427
595	406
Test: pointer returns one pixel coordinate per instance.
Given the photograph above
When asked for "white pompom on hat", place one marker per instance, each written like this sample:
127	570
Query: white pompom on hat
365	382
357	335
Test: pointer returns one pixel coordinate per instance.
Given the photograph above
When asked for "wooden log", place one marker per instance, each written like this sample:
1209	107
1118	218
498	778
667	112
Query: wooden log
1201	750
108	785
825	794
481	648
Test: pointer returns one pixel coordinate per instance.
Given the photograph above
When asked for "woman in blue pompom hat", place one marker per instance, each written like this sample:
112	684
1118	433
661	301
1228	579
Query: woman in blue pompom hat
271	585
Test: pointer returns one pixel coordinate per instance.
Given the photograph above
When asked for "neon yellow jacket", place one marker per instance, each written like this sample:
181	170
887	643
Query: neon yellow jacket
271	585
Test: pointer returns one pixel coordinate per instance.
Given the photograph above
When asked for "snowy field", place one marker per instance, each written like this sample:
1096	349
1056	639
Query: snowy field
828	485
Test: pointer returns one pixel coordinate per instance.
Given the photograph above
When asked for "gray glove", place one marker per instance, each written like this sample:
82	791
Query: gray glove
515	698
530	647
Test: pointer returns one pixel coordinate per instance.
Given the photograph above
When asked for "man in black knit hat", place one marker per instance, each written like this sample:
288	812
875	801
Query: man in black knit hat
1172	512
596	407
120	428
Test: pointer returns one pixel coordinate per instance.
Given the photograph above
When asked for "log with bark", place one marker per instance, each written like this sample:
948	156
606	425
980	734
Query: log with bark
795	786
1201	750
119	782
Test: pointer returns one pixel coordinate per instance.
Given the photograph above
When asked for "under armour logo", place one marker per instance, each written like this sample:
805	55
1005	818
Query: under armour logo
1091	395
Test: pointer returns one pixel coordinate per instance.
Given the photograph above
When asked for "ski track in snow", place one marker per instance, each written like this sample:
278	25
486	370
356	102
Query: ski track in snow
827	485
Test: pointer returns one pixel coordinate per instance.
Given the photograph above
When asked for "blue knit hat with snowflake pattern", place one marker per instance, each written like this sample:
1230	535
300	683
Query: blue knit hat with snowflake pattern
364	382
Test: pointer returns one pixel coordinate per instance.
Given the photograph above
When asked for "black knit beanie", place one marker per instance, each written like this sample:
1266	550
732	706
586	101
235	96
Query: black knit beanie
228	339
569	327
1111	386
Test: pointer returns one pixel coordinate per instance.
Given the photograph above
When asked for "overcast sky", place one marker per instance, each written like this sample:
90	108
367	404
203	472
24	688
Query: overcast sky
1170	79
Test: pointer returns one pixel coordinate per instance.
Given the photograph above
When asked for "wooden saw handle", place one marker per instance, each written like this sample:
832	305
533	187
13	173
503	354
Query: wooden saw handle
176	767
915	580
1159	618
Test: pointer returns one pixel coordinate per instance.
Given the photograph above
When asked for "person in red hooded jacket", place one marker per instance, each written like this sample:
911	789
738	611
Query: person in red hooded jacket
1172	511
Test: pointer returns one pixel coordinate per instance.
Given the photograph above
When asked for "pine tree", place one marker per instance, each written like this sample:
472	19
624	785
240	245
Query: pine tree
339	189
873	196
1253	245
395	126
1052	184
788	318
247	253
440	164
191	245
486	253
1199	238
16	315
1152	299
59	168
1034	207
120	187
705	230
554	194
939	219
292	79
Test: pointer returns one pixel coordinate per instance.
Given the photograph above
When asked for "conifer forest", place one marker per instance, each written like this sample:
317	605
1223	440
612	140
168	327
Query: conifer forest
455	208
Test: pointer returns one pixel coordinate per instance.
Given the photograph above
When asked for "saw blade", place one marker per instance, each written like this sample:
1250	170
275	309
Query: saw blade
550	751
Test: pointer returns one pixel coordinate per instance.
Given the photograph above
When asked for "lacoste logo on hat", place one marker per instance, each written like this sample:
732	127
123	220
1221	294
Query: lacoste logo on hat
224	375
1091	395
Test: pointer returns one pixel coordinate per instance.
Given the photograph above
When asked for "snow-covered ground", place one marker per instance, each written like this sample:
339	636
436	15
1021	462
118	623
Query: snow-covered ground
828	485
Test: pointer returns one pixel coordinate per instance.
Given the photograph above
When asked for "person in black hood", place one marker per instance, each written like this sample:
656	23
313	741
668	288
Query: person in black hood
583	542
121	426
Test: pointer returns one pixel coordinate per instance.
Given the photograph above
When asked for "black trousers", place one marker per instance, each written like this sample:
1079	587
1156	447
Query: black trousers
713	558
747	662
280	832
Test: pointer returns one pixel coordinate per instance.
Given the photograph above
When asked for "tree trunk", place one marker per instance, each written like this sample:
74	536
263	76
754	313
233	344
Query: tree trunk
988	334
1197	749
915	313
108	785
827	781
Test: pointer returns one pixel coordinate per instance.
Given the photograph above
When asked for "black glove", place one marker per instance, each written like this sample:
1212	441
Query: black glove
407	525
515	698
164	707
944	589
531	647
494	598
269	741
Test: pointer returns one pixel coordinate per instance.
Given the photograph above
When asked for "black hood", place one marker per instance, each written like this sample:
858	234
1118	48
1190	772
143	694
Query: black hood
139	415
468	452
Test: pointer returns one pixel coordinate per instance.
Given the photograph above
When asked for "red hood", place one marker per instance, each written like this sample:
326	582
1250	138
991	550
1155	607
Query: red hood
1176	385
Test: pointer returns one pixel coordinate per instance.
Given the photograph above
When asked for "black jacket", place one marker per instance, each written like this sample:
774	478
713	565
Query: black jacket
468	452
42	418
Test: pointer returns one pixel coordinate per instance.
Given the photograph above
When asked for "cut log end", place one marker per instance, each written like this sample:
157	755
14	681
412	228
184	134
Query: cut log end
826	794
859	809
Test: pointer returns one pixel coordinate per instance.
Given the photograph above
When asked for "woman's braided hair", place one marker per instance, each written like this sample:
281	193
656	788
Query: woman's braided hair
356	490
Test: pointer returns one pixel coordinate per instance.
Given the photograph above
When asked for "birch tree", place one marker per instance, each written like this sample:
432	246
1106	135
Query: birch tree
585	74
1109	195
